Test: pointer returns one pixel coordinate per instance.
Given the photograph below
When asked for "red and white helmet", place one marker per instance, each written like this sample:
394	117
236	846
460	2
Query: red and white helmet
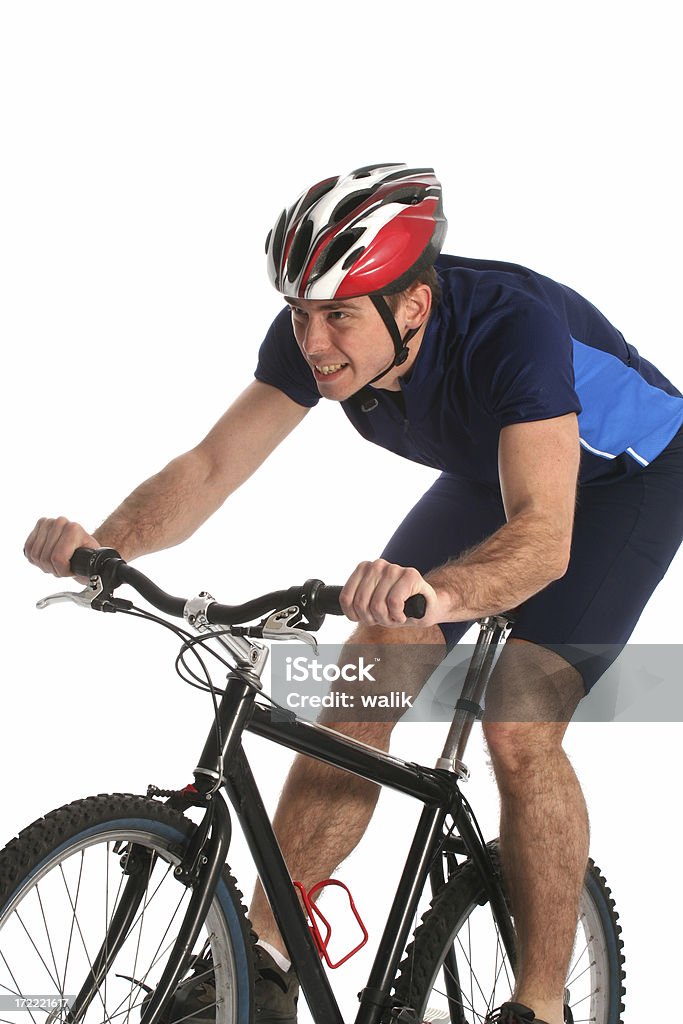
368	233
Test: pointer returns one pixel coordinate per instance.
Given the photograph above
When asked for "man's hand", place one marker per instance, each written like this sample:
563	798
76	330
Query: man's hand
376	592
52	542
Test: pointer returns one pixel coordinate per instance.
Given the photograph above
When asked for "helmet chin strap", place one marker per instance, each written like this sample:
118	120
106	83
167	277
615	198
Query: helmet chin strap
401	352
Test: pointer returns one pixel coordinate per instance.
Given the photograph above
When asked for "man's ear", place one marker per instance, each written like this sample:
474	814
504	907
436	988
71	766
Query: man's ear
416	305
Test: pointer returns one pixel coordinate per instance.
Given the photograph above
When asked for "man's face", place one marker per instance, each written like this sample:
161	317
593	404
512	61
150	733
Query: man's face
345	343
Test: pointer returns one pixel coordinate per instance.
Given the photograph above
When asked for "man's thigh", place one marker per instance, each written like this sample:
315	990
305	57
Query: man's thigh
625	536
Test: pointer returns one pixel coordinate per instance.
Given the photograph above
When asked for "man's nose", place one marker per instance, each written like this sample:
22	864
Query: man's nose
315	336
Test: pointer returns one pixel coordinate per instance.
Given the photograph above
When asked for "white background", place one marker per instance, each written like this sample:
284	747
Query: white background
147	148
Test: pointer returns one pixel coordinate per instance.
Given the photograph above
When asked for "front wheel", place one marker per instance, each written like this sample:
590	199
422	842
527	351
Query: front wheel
456	969
61	884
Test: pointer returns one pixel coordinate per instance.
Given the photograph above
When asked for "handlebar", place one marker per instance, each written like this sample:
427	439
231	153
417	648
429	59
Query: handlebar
314	598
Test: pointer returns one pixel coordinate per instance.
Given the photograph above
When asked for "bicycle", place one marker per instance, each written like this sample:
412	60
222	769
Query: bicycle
108	903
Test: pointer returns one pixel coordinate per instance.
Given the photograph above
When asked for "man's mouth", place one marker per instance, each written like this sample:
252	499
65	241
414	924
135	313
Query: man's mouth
329	369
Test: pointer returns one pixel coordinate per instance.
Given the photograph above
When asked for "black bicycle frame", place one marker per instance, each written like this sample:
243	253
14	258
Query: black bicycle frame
436	789
431	855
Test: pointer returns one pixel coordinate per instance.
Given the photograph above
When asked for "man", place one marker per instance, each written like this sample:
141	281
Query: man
515	388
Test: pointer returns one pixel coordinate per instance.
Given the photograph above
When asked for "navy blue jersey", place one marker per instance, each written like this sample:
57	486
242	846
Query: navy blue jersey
506	345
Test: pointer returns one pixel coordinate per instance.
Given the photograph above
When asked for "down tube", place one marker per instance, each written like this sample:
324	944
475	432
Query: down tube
275	878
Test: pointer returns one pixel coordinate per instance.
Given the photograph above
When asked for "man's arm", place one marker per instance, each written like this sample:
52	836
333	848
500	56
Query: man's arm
538	469
170	506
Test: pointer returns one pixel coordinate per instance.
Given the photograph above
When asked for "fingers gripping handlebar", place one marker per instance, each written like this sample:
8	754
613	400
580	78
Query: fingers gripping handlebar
314	598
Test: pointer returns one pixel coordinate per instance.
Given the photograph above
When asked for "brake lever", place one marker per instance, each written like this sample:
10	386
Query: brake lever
84	598
277	627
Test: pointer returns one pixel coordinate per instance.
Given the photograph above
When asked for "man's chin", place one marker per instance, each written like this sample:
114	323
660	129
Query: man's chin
333	397
338	390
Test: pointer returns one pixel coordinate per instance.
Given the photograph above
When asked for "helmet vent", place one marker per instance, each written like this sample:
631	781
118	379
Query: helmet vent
278	238
352	257
316	193
299	250
349	204
365	172
409	196
334	252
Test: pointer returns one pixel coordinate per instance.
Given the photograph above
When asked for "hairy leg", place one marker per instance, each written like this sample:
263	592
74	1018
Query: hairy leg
544	823
323	812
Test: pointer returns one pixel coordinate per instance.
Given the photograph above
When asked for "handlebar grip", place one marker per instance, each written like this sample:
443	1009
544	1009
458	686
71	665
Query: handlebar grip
415	607
327	601
87	561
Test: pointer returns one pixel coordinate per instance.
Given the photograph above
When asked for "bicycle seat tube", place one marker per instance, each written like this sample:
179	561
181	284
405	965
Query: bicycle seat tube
493	630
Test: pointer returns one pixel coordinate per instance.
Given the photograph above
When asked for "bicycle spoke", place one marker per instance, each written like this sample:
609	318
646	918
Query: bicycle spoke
201	1009
40	955
469	961
68	948
504	962
473	976
574	978
78	927
10	991
159	953
578	1002
107	919
117	1012
465	1004
169	868
49	940
18	992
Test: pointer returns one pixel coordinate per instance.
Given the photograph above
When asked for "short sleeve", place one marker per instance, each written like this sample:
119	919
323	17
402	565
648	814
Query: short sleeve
522	366
281	364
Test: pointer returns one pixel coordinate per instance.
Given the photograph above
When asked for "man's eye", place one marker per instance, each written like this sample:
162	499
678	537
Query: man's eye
296	311
337	314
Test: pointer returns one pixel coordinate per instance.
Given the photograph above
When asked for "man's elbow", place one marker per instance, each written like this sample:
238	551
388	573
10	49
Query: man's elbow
558	562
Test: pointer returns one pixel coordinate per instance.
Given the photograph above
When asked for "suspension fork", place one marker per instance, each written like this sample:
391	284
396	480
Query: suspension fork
139	862
212	858
200	868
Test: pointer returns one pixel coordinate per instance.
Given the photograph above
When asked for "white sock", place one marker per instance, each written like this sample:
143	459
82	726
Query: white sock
283	963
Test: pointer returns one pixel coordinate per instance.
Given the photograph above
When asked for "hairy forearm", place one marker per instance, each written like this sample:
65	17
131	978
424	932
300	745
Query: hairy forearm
509	567
162	511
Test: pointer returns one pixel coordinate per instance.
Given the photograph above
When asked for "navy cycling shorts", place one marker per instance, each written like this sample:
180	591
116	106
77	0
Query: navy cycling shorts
626	533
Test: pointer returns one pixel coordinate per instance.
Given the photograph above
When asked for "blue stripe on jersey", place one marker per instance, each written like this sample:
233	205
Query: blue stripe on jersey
621	411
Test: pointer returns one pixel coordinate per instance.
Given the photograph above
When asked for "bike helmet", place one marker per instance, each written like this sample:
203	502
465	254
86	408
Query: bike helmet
370	232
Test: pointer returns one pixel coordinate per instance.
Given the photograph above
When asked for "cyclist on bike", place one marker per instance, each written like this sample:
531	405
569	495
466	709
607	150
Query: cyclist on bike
561	457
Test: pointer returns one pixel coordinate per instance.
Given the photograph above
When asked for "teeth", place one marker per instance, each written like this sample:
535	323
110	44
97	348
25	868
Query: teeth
330	369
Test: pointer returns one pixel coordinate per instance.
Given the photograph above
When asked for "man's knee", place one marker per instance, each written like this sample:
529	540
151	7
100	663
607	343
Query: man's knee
532	685
397	663
531	697
519	748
